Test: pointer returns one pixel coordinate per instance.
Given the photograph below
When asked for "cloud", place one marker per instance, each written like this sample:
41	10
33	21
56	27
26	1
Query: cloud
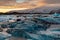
6	2
29	2
52	1
13	2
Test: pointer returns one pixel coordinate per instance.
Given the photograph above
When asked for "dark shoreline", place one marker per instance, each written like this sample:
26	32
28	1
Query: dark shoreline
22	13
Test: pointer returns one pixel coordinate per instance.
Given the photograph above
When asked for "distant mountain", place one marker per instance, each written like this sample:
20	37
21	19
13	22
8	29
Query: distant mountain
44	9
55	11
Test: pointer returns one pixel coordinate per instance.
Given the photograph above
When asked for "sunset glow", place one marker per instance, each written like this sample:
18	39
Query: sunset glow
6	10
20	7
8	5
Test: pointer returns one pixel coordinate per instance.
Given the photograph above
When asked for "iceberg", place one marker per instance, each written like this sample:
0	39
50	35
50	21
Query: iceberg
55	18
4	36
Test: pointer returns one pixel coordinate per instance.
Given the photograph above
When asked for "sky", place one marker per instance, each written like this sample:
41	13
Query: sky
10	2
26	4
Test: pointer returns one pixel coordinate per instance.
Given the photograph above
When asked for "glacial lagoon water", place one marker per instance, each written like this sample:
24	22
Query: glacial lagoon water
30	29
